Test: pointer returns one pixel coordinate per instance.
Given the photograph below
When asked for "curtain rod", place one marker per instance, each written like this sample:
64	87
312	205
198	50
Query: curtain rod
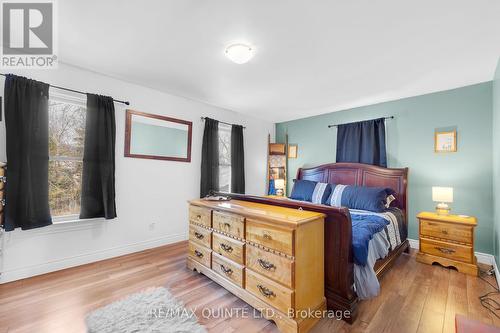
78	92
335	125
203	118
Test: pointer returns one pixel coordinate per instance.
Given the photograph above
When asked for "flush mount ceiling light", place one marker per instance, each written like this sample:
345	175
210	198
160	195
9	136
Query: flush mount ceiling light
239	53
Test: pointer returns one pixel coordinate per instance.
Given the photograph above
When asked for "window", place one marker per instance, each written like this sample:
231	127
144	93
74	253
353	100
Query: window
224	158
66	141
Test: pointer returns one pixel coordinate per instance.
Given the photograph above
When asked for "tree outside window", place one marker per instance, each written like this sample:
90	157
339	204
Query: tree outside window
66	141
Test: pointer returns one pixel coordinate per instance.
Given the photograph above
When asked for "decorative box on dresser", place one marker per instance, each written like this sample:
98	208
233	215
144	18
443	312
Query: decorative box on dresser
271	257
448	240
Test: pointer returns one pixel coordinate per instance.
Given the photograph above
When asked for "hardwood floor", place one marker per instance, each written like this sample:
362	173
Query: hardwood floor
415	297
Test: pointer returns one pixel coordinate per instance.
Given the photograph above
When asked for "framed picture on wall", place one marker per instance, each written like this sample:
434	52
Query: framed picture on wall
445	142
292	151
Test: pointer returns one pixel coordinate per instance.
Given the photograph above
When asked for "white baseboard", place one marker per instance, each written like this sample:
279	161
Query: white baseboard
483	258
51	266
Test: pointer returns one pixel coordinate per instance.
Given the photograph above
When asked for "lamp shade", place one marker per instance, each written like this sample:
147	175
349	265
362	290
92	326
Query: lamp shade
279	184
442	194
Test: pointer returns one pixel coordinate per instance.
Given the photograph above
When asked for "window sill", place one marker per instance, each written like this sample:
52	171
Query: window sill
61	225
76	220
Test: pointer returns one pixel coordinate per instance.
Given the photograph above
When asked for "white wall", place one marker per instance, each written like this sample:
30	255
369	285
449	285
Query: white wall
147	191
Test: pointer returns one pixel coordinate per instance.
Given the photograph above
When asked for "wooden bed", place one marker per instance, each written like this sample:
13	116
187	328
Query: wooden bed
339	262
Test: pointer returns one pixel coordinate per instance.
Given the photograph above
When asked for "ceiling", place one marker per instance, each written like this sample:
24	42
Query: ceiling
312	57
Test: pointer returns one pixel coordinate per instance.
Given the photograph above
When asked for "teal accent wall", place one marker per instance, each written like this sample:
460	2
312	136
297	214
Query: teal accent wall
496	160
410	143
155	140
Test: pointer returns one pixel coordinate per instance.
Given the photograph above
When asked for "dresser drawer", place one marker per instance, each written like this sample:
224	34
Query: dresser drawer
200	235
200	253
269	291
275	267
447	250
457	233
200	215
228	269
229	247
269	236
231	224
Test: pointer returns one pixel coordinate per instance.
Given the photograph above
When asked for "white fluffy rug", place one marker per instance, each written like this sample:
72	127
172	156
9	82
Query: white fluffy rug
151	311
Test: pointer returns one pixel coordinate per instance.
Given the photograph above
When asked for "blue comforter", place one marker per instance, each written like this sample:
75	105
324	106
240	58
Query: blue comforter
363	229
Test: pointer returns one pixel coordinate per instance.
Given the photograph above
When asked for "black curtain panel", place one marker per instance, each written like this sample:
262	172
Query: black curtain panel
210	158
362	142
27	141
98	179
237	160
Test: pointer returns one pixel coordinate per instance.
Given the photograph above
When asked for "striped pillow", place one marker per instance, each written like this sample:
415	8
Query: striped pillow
321	193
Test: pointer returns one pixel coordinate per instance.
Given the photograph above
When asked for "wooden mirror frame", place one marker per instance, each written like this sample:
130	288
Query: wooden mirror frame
128	134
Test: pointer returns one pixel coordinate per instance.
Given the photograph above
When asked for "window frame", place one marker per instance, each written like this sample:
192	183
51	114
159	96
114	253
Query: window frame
82	102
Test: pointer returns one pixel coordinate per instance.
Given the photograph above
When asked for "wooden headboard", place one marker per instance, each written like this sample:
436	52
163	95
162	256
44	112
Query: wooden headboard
361	175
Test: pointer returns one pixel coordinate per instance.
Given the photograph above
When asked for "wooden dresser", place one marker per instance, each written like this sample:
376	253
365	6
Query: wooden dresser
448	240
271	257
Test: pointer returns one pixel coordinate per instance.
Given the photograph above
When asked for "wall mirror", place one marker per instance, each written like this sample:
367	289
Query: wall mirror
157	137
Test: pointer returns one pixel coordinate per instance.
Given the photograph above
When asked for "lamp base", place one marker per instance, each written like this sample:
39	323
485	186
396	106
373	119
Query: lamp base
442	209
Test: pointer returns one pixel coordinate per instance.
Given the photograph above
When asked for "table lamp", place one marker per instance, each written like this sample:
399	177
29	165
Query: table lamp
279	185
442	195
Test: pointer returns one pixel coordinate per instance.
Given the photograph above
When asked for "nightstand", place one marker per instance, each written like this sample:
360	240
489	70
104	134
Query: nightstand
447	240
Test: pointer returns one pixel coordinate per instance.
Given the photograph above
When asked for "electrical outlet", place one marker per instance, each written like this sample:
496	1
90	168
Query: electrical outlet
152	226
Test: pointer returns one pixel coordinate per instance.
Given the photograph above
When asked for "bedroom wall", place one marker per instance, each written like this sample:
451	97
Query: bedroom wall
151	195
496	161
410	143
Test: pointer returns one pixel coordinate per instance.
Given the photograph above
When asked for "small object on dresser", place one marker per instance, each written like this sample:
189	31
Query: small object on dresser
447	240
217	198
442	195
279	184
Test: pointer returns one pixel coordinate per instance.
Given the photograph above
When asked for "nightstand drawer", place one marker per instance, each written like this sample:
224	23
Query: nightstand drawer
447	250
462	234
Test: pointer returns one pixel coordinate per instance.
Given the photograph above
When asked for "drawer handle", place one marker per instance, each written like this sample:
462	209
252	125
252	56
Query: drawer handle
265	291
227	225
198	217
267	236
198	254
444	232
226	247
198	235
227	271
445	250
266	264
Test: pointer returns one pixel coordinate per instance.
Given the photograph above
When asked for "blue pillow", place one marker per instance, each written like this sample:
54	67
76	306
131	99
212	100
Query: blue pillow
359	197
303	190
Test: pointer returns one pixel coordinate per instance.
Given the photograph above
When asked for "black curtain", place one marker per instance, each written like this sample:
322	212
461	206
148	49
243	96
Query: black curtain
362	142
27	141
237	160
98	178
210	158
